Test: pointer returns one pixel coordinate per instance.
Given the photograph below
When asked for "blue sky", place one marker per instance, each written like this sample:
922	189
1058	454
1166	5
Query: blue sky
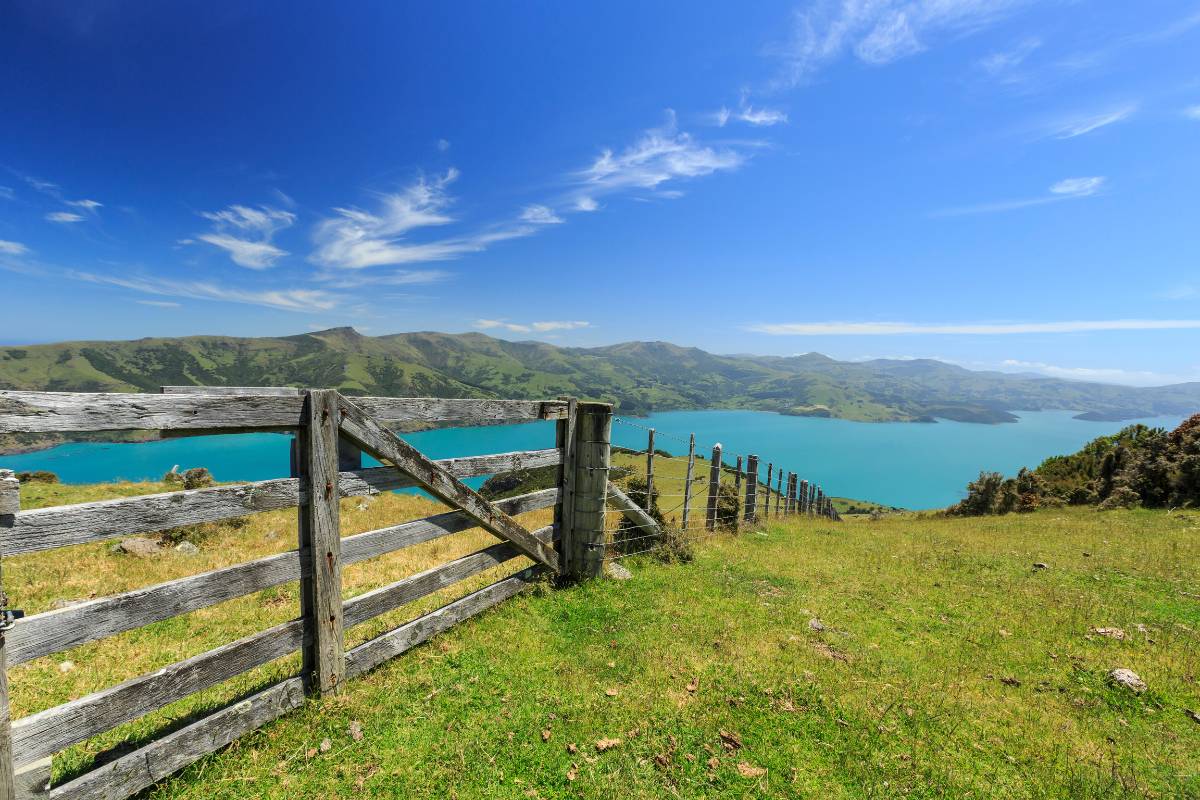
1003	184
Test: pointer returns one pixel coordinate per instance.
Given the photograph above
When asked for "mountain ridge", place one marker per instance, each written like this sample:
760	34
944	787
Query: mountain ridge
638	376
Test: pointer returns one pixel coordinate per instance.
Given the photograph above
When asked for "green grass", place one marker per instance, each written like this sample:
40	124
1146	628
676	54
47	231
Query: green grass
948	668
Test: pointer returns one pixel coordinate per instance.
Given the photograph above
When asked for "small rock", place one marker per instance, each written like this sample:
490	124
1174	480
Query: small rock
1128	679
63	602
187	549
816	625
1038	565
138	546
66	666
617	571
326	745
1111	633
271	535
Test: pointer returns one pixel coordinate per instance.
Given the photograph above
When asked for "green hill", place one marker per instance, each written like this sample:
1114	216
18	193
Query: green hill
637	376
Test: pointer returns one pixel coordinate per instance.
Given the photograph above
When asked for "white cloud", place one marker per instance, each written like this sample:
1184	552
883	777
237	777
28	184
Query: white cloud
1181	292
443	145
585	203
357	239
246	234
559	325
968	329
65	217
1066	189
1078	125
539	327
159	303
7	193
1192	112
1078	187
12	248
86	205
400	277
284	299
540	215
759	117
499	324
1001	64
878	31
660	155
1104	374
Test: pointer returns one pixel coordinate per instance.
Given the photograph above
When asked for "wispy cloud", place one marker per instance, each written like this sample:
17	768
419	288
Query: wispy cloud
358	239
877	31
1080	124
530	327
159	303
284	299
661	155
401	277
1003	64
246	234
12	248
86	205
540	215
745	112
1100	374
64	217
1066	189
968	329
1192	112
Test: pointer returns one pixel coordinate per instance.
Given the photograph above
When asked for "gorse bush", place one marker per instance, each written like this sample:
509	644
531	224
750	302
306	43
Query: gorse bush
1138	466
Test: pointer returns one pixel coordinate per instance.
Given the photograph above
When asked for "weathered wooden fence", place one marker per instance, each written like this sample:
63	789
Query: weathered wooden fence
330	432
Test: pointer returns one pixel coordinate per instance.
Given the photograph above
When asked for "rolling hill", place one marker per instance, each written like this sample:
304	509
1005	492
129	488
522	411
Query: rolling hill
637	376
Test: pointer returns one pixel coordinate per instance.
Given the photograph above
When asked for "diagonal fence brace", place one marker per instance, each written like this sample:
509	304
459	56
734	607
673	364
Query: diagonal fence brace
359	427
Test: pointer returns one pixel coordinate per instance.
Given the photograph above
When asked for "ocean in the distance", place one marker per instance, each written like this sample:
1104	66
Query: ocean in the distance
903	464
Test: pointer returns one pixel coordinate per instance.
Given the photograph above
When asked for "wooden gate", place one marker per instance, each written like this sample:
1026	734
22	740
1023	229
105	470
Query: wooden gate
323	420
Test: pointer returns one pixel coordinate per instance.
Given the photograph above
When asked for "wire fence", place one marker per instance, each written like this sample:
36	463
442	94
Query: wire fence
686	500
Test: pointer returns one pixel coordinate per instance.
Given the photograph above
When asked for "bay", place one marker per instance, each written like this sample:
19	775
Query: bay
909	465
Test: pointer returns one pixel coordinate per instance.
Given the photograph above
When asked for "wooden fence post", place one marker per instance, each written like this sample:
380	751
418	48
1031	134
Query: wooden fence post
803	509
564	440
687	484
10	504
581	550
650	470
817	502
767	496
751	514
778	491
714	488
321	543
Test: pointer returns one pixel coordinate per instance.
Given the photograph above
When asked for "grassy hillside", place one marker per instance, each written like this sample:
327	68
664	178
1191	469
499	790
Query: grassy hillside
947	667
638	376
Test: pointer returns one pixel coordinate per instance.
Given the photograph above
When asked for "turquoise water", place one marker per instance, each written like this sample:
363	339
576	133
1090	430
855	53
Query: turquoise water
902	464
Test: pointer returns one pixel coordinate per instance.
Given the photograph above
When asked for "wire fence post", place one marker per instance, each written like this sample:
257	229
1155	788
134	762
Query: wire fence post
791	498
714	488
650	469
687	484
751	514
586	476
767	496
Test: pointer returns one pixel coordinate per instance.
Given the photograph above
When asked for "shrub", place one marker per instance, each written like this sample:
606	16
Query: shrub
197	478
37	476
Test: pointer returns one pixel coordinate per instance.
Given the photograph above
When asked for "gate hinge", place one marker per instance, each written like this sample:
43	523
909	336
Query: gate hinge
8	616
